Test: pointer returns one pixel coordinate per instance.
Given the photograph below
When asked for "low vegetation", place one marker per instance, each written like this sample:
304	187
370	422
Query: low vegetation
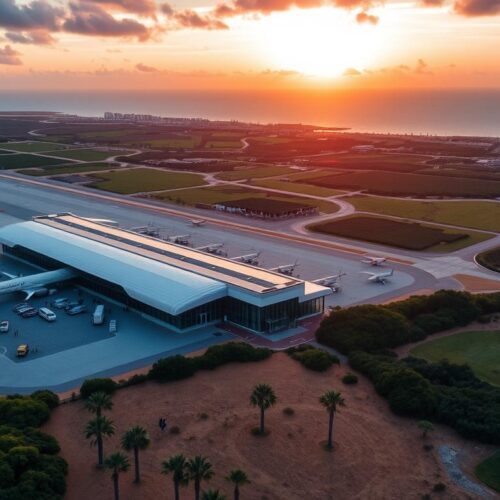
75	168
87	154
488	471
254	173
24	160
490	258
312	358
33	146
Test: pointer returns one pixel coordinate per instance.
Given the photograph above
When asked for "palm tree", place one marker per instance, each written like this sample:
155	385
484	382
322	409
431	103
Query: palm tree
425	426
262	396
116	463
97	429
97	402
177	466
212	495
199	469
238	478
136	438
331	400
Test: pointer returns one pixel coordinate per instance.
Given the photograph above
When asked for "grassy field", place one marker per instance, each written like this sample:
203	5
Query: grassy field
33	147
488	471
270	139
312	174
407	235
25	160
87	154
255	172
174	143
223	144
474	214
490	259
398	184
72	169
214	194
295	187
138	180
480	350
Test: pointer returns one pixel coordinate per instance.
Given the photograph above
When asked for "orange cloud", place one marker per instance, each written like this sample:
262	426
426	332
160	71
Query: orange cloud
9	56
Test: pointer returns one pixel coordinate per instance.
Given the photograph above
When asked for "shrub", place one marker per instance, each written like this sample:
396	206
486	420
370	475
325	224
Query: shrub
92	385
240	352
134	380
439	487
349	379
48	397
23	412
203	416
173	368
312	358
175	430
288	411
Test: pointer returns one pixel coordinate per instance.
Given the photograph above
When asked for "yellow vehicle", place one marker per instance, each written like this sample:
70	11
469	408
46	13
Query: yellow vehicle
22	350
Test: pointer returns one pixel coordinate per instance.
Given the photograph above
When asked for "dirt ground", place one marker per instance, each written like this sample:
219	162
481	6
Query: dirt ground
474	284
377	455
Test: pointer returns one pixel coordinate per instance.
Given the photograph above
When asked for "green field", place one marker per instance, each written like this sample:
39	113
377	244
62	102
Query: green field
25	160
270	139
88	154
480	350
490	259
296	187
254	172
72	169
488	471
228	144
214	194
33	147
474	214
174	143
137	180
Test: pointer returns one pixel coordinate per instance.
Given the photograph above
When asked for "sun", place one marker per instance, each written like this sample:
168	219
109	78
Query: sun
321	42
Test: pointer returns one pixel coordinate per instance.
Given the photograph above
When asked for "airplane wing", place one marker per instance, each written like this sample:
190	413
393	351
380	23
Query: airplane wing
11	276
29	294
368	273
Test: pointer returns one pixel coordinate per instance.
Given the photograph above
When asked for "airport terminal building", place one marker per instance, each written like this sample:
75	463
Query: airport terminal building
177	285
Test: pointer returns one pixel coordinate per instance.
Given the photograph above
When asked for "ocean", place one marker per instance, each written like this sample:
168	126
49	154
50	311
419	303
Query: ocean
445	112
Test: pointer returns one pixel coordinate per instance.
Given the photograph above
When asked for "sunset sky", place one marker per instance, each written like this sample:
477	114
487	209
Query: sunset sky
241	44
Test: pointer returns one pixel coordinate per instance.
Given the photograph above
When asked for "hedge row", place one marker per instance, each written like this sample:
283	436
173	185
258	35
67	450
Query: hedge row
373	327
312	358
447	393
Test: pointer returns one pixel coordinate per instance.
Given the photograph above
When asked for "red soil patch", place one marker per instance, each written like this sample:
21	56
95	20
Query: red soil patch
476	284
377	455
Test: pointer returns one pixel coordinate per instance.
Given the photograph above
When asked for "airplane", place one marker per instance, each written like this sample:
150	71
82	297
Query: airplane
374	261
180	239
197	222
251	258
213	248
331	281
148	230
286	269
379	277
34	285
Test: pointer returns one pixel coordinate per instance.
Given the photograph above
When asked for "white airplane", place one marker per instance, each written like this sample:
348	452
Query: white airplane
213	248
374	261
379	277
180	239
250	258
287	269
36	283
197	222
331	281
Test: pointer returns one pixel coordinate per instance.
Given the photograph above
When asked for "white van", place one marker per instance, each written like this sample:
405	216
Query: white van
98	317
47	314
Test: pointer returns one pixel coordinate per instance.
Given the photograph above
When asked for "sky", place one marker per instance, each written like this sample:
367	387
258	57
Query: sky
249	44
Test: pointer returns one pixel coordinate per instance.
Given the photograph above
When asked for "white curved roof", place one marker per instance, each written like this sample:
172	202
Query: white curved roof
157	284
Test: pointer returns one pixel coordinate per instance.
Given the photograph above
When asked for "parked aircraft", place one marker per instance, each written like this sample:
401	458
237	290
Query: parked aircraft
374	261
250	258
197	222
379	277
36	284
331	281
148	230
214	249
287	269
180	239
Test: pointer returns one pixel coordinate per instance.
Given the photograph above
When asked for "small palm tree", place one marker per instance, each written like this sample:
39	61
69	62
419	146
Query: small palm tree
212	495
199	469
176	465
425	426
263	396
97	402
136	438
238	478
331	400
117	463
96	430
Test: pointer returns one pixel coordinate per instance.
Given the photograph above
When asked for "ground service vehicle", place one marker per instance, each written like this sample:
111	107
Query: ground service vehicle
22	350
47	314
98	316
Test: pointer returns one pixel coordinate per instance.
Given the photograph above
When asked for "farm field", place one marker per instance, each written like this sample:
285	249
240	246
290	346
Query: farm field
488	471
72	169
254	172
174	143
87	154
223	144
490	259
26	160
33	146
296	187
136	180
214	194
474	214
480	350
311	174
407	235
397	184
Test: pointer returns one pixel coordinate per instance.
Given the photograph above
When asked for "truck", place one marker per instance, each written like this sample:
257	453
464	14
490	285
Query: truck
98	316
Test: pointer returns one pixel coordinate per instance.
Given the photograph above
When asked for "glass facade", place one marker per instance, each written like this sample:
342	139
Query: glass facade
260	319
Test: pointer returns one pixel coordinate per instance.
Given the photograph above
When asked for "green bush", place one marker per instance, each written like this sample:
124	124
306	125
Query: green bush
23	412
312	358
48	397
240	352
173	368
92	385
134	380
349	379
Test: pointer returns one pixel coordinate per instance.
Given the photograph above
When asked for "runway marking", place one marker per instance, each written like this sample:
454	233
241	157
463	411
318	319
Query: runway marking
178	213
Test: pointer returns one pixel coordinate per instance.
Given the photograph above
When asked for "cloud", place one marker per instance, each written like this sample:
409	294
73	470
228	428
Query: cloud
9	56
86	19
352	72
474	8
38	14
190	19
36	37
145	68
365	17
422	68
141	7
167	9
432	3
240	7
